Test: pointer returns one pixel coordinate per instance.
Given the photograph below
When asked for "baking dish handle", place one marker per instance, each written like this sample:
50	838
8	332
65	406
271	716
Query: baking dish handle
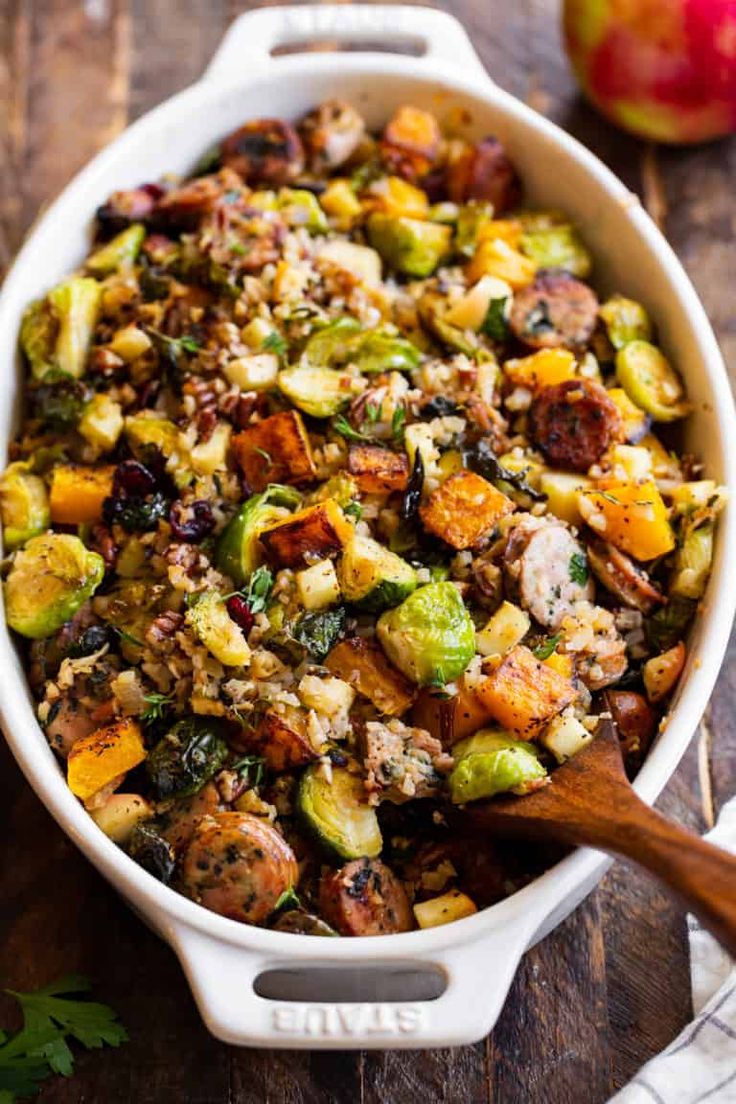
252	37
475	976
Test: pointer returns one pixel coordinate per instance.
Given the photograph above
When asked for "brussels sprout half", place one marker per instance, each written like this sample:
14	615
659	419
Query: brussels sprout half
51	577
24	505
492	762
56	332
625	320
409	245
316	390
151	851
187	756
430	637
372	577
557	247
338	814
118	253
650	381
238	551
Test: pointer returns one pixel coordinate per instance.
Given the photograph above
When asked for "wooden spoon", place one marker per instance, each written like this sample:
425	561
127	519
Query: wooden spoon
590	801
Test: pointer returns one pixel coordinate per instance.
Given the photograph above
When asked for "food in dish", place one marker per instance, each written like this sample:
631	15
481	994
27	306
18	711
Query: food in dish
341	500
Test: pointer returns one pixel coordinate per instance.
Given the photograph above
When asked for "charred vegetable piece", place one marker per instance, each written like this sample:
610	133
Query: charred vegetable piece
239	866
670	623
365	898
410	142
650	381
430	636
372	578
492	762
303	923
276	450
523	694
623	577
97	760
318	391
464	509
24	505
337	813
484	172
331	133
280	738
56	332
574	423
625	320
363	665
119	253
238	551
557	247
50	578
265	152
377	470
557	309
187	756
78	493
211	622
412	247
310	534
449	718
151	851
319	631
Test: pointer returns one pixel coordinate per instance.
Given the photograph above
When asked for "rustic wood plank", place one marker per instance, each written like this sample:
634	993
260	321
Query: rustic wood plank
14	38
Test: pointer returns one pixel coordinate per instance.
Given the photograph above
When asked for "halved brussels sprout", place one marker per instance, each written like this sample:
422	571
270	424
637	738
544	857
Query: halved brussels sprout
492	762
213	625
433	309
316	390
693	561
626	320
51	577
118	253
145	433
430	637
670	623
650	381
372	577
151	851
187	756
238	551
24	504
338	814
471	218
557	247
319	631
409	245
56	332
384	351
334	343
300	208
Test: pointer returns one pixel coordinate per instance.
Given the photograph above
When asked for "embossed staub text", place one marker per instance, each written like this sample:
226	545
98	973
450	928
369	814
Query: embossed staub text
347	1020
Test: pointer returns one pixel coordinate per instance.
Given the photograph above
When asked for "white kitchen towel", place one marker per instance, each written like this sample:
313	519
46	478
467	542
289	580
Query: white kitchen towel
700	1065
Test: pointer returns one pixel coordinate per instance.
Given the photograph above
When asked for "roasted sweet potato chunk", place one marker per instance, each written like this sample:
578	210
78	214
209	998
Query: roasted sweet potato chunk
463	509
103	756
377	470
276	450
266	152
362	664
449	719
522	694
410	142
281	739
483	171
313	534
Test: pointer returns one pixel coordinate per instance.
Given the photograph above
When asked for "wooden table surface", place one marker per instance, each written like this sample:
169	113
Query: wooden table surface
610	987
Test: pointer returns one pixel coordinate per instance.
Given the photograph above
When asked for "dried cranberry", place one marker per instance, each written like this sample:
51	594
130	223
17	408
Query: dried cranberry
191	522
133	478
240	612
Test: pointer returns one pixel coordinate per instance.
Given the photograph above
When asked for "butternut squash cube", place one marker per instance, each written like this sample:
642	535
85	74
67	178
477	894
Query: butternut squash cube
308	535
463	509
77	493
632	516
276	450
498	258
542	369
377	470
523	693
363	665
104	755
449	719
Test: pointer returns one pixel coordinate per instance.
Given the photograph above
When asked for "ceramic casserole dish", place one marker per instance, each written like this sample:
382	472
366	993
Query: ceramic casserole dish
443	986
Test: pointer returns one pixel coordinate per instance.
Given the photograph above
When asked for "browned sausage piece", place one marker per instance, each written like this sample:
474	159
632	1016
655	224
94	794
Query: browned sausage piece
238	865
331	133
124	208
625	579
69	720
555	310
541	559
573	423
178	823
364	897
266	152
483	172
636	722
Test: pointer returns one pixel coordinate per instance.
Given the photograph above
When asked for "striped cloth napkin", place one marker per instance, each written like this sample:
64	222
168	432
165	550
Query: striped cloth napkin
700	1065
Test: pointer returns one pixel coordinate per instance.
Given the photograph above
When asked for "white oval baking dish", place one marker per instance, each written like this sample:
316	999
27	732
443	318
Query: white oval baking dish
478	956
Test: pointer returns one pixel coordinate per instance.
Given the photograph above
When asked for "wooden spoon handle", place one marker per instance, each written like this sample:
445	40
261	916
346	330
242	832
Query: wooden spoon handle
703	876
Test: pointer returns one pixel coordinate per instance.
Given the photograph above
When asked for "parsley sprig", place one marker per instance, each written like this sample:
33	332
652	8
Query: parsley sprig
157	706
51	1016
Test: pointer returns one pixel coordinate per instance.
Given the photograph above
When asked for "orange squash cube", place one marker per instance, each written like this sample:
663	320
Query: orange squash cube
377	470
523	693
77	493
276	450
632	516
363	664
463	509
107	753
542	369
307	536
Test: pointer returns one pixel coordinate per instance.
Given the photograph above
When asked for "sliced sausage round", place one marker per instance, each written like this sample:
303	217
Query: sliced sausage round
365	898
636	723
331	133
238	865
556	310
573	423
484	172
625	579
546	569
179	822
265	152
69	720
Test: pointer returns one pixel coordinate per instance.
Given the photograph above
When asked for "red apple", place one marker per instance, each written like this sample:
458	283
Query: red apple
663	69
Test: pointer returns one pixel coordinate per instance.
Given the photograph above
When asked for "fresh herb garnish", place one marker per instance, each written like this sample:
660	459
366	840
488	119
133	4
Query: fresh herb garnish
157	706
288	900
266	455
129	639
275	343
398	423
494	324
40	1048
250	768
545	649
341	425
372	412
578	568
186	342
353	509
259	589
